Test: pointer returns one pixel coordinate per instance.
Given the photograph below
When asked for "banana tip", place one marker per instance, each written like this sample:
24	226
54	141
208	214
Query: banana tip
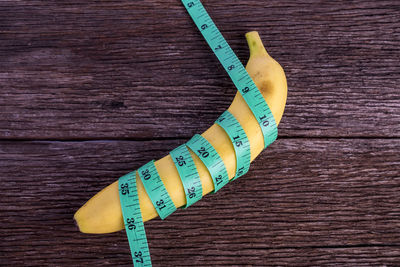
76	222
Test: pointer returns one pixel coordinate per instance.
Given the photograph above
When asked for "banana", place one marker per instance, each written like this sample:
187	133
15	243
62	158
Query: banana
102	213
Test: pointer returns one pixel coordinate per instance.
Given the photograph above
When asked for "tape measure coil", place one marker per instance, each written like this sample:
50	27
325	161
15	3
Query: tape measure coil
188	173
156	190
239	140
133	221
153	185
211	159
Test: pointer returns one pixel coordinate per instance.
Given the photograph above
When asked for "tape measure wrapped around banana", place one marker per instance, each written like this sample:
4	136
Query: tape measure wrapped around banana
103	214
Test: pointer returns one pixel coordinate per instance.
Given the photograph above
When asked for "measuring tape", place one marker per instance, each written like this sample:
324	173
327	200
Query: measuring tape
235	69
133	220
199	145
188	172
209	156
239	140
156	190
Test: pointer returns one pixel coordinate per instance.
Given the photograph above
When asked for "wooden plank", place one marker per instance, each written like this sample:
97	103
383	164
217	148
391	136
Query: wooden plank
304	202
140	69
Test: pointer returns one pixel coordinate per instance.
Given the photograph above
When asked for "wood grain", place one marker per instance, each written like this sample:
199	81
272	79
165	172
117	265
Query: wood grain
304	202
90	90
96	70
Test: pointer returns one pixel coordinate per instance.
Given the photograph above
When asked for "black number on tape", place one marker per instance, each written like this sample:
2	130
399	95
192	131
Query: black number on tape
266	122
125	188
237	143
218	179
139	257
131	223
181	161
202	151
160	204
191	192
146	174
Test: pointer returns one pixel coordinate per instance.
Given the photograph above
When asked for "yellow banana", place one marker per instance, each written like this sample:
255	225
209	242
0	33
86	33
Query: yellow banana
102	213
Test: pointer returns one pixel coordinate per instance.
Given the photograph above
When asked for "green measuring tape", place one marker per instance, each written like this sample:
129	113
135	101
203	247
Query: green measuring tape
188	172
133	220
156	190
209	156
239	140
199	145
235	69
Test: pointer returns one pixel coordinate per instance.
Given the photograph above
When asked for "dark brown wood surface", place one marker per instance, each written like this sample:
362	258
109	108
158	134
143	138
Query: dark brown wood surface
90	90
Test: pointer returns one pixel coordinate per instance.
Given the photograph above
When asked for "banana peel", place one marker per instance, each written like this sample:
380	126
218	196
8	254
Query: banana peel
102	213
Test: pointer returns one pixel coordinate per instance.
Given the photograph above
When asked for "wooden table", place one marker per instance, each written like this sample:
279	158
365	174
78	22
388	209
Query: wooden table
90	90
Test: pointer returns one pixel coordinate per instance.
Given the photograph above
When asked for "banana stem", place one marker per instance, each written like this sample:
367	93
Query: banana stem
255	44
